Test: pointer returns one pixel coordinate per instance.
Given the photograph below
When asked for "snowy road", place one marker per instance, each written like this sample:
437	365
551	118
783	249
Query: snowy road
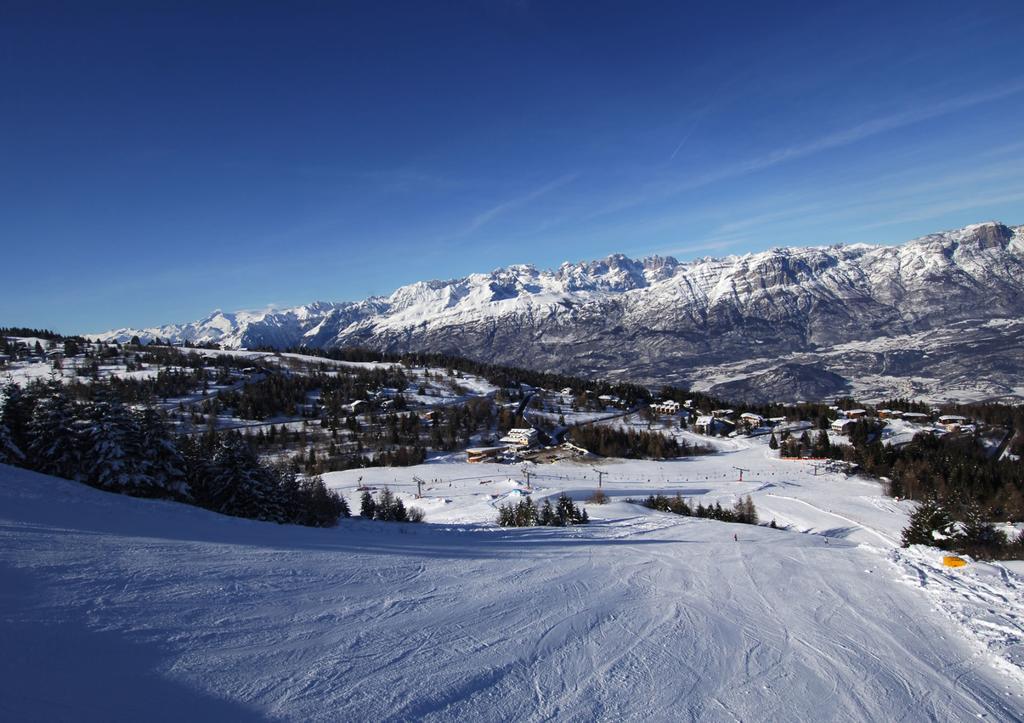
117	609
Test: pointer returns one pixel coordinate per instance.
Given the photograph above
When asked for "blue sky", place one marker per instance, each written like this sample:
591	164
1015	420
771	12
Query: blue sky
162	159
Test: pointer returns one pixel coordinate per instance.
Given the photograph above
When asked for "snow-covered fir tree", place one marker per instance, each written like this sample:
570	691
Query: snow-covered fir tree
367	506
930	524
390	508
9	452
239	485
320	506
975	529
161	462
15	413
110	448
55	429
546	516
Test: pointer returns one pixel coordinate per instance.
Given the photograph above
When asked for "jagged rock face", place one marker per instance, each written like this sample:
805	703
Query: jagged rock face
659	320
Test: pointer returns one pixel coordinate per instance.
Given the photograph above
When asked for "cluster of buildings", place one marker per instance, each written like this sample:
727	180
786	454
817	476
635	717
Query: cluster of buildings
668	407
23	351
718	421
948	422
726	421
518	439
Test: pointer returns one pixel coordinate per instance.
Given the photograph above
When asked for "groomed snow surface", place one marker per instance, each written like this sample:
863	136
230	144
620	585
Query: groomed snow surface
120	609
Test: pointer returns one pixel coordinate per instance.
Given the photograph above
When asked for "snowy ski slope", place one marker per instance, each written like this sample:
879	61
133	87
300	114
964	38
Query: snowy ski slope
121	609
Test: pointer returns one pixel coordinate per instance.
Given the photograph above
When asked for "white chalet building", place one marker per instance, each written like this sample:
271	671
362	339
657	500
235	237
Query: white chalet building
521	437
668	407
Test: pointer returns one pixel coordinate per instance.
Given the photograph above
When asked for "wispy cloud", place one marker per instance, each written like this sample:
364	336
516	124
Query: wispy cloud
876	126
935	210
1004	150
686	137
699	114
707	245
484	218
837	139
908	196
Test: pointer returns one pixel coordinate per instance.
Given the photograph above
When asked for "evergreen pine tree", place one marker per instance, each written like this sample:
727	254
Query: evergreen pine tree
977	531
928	518
385	506
9	453
546	516
161	461
579	515
241	486
290	490
320	506
110	448
16	414
565	510
749	511
197	461
398	511
367	507
773	443
525	513
53	431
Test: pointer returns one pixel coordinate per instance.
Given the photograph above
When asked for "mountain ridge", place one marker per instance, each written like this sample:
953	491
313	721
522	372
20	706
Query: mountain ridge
658	319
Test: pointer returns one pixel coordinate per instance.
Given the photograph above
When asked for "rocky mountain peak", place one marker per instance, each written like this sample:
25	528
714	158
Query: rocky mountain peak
659	320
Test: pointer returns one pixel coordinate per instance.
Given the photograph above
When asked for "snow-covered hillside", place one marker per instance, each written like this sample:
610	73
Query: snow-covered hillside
117	608
707	321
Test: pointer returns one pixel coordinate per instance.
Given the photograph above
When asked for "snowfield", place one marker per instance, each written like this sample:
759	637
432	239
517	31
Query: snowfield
121	609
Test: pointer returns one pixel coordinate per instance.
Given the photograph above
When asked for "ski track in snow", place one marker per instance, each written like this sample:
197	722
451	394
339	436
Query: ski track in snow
987	601
125	609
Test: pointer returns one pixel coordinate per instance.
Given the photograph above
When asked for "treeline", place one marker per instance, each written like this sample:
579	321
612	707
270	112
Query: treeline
109	445
269	396
280	393
961	472
526	513
497	374
956	469
511	377
609	441
904	404
743	511
165	384
810	443
6	331
389	508
962	528
307	451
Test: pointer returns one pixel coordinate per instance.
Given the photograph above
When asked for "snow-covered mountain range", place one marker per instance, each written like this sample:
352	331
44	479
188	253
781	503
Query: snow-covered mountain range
938	317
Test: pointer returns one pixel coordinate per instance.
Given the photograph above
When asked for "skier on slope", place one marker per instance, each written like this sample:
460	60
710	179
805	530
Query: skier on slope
735	538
